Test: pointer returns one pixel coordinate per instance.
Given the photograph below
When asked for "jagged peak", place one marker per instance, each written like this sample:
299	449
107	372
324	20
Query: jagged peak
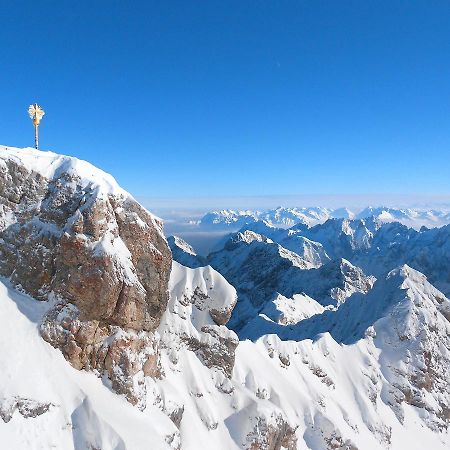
249	236
182	244
406	271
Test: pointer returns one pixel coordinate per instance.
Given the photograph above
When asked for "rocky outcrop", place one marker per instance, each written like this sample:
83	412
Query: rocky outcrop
26	407
201	303
87	242
69	232
125	356
419	377
273	434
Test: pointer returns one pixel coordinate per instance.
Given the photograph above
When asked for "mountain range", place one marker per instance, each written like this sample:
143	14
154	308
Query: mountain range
287	217
324	333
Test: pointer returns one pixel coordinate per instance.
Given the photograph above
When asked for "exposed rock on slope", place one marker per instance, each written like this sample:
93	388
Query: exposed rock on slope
420	318
200	305
68	230
201	361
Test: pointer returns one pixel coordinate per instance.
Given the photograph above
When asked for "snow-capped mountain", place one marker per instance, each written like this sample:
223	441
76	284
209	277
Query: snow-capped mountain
261	269
184	253
411	217
287	217
300	338
374	246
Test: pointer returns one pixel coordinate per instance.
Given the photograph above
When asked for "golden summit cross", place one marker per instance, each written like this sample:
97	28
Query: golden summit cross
36	113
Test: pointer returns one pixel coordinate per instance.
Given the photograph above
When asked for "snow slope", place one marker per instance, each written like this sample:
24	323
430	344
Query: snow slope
315	393
51	165
328	392
62	408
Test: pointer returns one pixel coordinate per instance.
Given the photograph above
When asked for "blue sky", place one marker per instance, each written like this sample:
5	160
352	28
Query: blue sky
230	98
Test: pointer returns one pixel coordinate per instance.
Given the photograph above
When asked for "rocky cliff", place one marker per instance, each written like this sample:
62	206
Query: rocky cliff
70	233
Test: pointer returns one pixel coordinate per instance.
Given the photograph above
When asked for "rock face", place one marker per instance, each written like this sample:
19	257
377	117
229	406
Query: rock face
69	232
82	238
125	356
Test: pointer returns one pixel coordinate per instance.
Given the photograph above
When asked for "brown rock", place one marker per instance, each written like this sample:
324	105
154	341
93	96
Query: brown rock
105	258
70	238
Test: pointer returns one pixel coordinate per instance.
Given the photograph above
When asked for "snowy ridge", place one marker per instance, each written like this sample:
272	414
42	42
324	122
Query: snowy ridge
184	253
288	217
51	165
319	392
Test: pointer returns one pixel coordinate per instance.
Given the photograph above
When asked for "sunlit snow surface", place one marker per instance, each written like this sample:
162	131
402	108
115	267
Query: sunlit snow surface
82	410
322	387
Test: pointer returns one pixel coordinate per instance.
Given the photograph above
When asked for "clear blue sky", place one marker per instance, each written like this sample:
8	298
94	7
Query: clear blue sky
185	98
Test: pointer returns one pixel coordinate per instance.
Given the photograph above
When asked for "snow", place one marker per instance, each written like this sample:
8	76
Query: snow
184	253
184	246
51	165
83	413
290	311
114	247
185	282
328	391
311	216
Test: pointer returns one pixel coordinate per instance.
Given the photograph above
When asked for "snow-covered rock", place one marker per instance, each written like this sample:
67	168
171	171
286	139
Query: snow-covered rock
68	228
183	253
291	239
71	234
370	244
342	237
427	250
287	217
282	217
46	403
260	269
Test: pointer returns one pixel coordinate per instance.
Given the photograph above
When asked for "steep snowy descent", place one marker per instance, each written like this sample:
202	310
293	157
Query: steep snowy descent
45	403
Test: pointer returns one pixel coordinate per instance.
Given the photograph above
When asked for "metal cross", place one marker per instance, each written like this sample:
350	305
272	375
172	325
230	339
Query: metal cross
36	113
